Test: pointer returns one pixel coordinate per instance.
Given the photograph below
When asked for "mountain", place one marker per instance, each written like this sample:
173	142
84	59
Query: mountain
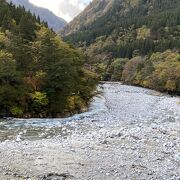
95	10
134	41
113	17
53	21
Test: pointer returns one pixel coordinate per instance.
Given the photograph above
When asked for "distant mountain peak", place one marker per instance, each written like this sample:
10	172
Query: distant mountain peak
94	10
54	22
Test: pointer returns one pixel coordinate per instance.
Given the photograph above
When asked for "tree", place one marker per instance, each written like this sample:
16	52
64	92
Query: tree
27	27
8	83
131	69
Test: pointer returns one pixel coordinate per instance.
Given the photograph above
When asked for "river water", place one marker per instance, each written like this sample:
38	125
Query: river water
129	107
36	129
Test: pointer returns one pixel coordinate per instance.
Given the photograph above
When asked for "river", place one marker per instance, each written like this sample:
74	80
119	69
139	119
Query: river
128	133
36	129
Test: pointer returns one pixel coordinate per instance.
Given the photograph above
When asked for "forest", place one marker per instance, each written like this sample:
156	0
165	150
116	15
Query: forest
160	71
40	75
131	34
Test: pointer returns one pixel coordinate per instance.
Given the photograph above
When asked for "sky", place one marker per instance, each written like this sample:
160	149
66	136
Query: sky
67	9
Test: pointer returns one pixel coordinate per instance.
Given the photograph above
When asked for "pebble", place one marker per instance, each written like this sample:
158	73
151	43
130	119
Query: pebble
177	157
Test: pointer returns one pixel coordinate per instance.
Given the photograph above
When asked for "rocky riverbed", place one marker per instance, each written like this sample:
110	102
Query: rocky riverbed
133	133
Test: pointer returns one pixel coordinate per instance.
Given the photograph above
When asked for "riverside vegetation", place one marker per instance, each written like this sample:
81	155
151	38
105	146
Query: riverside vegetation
40	75
134	41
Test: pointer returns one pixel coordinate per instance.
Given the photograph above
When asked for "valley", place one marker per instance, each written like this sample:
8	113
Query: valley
94	99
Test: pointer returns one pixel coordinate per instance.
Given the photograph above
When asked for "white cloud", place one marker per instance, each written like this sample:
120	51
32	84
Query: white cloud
66	9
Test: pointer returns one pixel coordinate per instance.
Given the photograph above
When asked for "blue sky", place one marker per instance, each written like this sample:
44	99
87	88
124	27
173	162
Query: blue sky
66	9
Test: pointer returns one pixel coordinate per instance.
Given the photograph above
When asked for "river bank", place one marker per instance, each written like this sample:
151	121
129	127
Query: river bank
133	133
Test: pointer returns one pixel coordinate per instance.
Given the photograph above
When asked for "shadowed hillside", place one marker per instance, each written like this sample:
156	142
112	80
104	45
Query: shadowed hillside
53	21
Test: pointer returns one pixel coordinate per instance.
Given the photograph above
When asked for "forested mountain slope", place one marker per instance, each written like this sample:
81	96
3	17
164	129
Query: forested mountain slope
113	32
40	75
96	9
53	21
